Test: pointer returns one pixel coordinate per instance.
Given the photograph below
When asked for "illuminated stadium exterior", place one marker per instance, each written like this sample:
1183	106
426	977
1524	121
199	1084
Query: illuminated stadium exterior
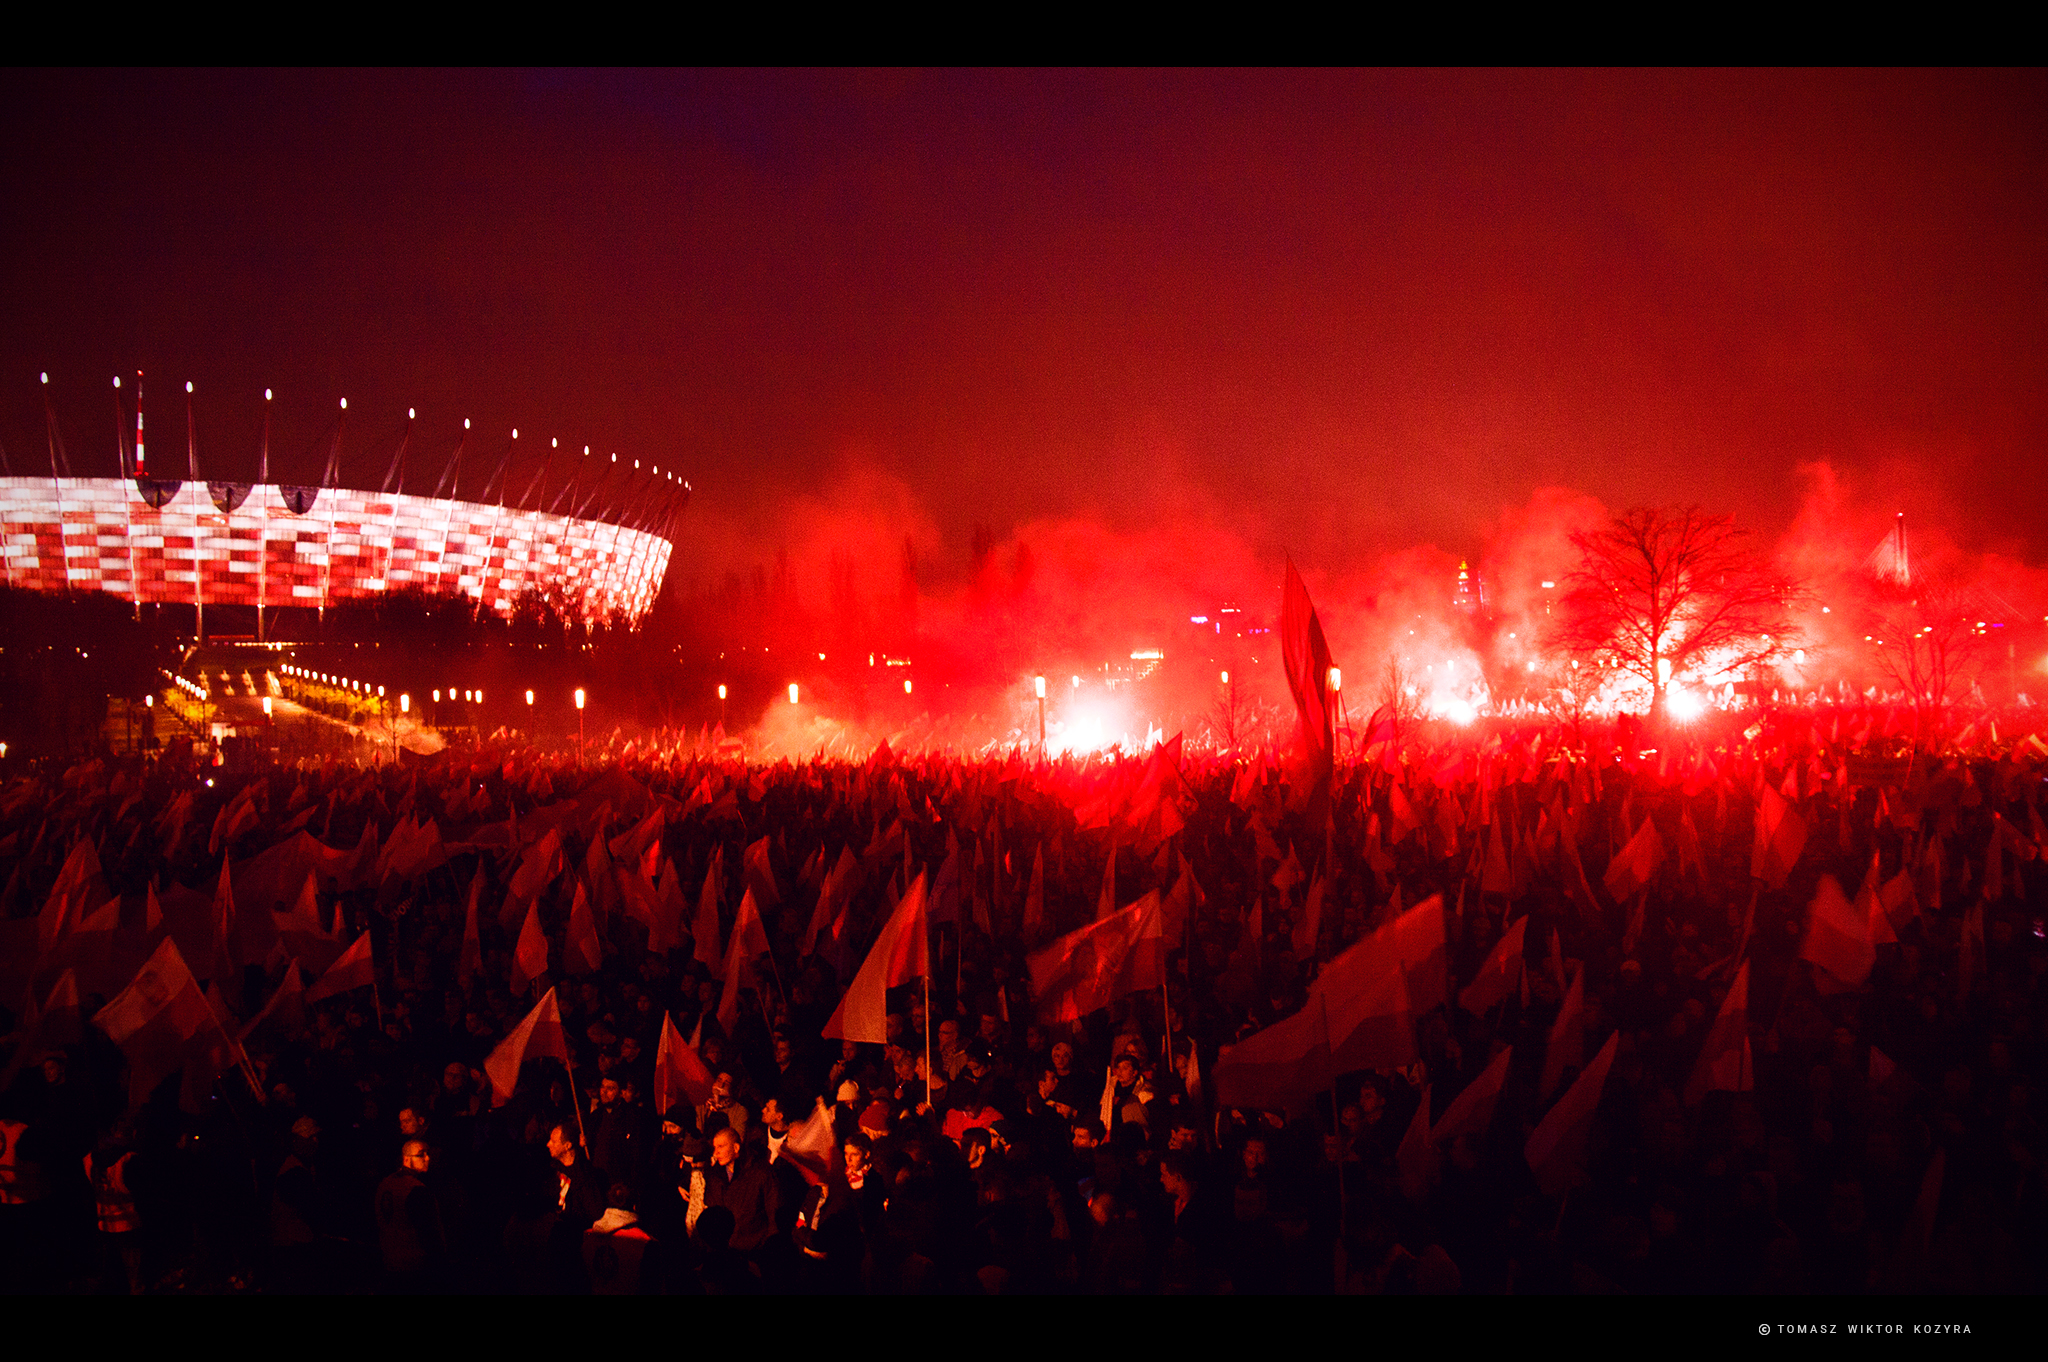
262	544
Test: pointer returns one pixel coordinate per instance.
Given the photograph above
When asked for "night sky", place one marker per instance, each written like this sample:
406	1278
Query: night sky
1340	313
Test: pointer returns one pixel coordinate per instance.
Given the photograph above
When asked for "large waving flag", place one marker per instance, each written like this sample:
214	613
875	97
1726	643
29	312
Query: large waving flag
901	953
1557	1147
1837	939
539	1036
1307	658
1103	961
1471	1112
680	1075
1724	1063
353	970
162	1022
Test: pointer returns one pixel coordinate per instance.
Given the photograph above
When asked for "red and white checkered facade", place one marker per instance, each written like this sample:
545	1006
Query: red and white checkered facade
98	534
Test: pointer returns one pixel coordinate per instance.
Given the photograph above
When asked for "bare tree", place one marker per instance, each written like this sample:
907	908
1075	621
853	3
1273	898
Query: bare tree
1397	696
1227	715
1663	591
1925	641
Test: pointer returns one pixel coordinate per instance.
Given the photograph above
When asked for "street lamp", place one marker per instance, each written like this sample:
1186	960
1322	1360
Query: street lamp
1038	684
579	725
792	692
721	704
906	685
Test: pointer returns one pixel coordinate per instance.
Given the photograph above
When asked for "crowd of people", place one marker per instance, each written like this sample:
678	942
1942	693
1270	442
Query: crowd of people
1755	1007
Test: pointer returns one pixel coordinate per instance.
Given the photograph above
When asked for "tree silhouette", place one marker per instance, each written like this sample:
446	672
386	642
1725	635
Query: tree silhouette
1670	592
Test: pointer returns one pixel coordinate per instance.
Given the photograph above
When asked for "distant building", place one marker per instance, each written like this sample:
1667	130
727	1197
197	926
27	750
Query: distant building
1470	595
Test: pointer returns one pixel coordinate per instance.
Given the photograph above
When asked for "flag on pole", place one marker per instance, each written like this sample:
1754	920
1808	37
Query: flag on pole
1307	659
1566	1046
1837	940
680	1074
1635	866
539	1036
470	962
704	930
1417	1157
353	970
901	953
1471	1112
530	955
1724	1063
1103	961
286	1009
1500	974
582	952
1557	1147
1780	837
749	942
161	1022
809	1145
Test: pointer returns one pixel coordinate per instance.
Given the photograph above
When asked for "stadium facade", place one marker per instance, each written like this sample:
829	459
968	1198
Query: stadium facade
269	545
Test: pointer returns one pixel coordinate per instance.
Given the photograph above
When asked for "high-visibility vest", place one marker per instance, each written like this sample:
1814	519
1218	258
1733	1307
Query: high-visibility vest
116	1204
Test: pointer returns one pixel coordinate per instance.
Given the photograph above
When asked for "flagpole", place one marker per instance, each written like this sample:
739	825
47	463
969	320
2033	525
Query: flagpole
928	1036
1166	1010
576	1101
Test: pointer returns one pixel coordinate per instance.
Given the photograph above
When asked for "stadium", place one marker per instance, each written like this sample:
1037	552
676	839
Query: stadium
189	542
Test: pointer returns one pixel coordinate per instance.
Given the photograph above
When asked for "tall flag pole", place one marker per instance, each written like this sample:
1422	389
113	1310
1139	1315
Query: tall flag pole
141	465
127	502
198	519
263	554
57	480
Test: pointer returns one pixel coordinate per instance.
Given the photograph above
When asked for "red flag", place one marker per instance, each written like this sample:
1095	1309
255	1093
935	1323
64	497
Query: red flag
1417	1156
839	885
1282	1068
1105	902
1498	977
665	930
354	970
1837	939
1557	1147
1780	837
530	955
749	942
162	1022
1472	1111
222	919
1307	658
679	1074
901	953
582	952
1369	1014
540	865
1416	939
1724	1062
1103	961
286	1009
1308	927
809	1145
1633	868
471	961
760	875
1566	1046
1034	897
539	1036
704	931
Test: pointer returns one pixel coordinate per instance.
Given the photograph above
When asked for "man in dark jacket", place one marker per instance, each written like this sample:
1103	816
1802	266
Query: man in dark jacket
579	1191
740	1182
409	1221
